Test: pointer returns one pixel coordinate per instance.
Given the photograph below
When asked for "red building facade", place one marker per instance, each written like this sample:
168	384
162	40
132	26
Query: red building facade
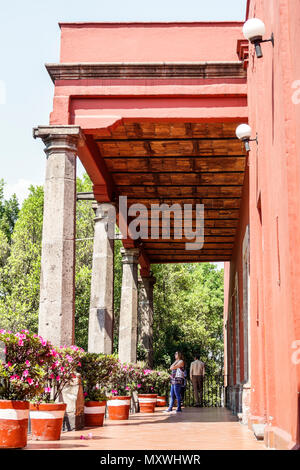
262	308
151	110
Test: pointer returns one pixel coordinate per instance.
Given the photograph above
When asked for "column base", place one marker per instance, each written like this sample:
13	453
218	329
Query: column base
73	397
276	438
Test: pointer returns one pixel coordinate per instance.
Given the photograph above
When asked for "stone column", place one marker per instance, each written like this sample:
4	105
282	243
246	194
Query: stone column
102	286
145	316
57	285
128	310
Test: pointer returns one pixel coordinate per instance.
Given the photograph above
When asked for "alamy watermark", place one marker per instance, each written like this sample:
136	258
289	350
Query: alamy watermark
2	92
140	222
296	94
296	353
2	352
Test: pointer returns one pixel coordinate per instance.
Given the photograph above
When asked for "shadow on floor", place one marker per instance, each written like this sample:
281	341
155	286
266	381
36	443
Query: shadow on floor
188	415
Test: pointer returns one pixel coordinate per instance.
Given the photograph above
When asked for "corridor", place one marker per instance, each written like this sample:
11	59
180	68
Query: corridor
195	429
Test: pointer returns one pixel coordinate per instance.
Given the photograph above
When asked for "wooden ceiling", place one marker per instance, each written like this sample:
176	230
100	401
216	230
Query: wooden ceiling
180	163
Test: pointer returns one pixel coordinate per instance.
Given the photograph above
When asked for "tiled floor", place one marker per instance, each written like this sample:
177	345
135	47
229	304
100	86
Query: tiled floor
208	428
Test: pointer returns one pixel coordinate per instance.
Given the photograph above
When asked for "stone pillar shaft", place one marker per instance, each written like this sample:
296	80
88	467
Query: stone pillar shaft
57	287
145	316
128	310
102	285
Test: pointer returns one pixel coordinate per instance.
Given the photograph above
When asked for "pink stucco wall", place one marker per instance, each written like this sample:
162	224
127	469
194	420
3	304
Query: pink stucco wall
274	215
148	42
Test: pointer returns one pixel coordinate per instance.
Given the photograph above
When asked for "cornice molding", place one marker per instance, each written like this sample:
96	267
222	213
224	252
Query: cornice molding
154	70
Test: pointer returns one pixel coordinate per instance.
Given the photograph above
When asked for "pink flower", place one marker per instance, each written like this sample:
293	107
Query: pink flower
69	358
127	388
29	380
58	378
20	343
139	385
27	363
114	392
25	373
85	394
47	390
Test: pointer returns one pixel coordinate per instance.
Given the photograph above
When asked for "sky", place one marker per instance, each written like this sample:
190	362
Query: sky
29	37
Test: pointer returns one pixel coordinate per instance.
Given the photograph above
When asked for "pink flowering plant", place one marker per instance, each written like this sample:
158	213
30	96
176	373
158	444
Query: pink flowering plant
147	380
96	371
25	357
123	380
162	382
61	371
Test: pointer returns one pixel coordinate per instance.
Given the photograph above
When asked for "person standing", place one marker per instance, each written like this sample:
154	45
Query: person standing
197	371
177	380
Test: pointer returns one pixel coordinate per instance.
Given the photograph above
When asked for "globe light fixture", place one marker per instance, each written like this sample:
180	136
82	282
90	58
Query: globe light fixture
243	132
254	30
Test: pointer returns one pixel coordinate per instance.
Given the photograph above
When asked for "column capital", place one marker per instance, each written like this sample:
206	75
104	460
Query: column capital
59	139
130	255
103	210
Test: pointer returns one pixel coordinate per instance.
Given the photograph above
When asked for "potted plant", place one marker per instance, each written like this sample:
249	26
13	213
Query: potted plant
162	382
96	370
146	388
22	373
120	387
46	414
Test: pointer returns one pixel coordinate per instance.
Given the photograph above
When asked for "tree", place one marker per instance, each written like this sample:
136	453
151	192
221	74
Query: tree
188	306
84	257
9	210
20	271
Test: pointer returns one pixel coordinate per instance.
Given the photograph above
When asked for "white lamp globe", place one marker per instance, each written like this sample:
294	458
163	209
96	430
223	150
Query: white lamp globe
254	28
243	131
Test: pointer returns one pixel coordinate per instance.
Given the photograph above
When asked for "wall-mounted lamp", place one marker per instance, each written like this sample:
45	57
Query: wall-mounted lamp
254	30
243	132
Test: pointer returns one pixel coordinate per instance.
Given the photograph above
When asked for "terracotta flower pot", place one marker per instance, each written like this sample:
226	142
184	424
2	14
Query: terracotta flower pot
147	402
161	401
94	412
46	420
13	423
118	407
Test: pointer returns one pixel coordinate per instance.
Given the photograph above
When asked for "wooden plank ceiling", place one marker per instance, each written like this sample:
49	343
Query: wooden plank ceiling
185	163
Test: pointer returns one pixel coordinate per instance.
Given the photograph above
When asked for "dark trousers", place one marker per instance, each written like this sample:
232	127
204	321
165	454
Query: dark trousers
197	381
175	393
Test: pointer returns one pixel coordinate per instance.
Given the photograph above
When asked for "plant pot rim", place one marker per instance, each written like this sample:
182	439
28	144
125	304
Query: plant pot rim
48	406
152	395
118	397
96	402
15	402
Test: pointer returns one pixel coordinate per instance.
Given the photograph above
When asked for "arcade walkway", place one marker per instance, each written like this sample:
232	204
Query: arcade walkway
209	428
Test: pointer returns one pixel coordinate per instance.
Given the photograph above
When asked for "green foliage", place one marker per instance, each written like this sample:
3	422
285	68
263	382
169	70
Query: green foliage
20	261
117	291
123	380
147	380
188	305
84	257
9	210
60	371
162	382
96	370
22	374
